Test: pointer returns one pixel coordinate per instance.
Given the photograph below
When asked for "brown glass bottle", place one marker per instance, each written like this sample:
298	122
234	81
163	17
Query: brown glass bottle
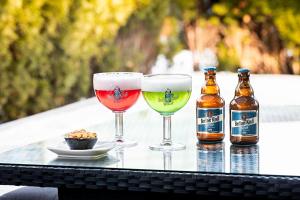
244	112
210	110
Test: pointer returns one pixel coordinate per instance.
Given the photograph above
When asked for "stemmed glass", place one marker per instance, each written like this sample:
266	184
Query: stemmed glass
118	91
166	94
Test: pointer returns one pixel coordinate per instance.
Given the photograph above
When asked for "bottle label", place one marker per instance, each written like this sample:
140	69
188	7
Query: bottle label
244	122
210	120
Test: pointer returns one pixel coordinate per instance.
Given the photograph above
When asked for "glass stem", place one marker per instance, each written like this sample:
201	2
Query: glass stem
167	130
119	126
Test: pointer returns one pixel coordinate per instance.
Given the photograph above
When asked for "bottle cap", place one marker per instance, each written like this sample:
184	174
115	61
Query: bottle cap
206	69
243	70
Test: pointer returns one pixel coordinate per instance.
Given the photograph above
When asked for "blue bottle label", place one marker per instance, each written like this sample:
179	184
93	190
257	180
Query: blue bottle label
244	122
210	120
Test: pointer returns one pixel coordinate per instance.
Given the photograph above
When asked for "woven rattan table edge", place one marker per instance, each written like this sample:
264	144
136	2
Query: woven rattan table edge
178	182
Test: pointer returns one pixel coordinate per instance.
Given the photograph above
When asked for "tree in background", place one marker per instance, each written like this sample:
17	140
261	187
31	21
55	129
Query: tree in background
136	45
46	47
51	48
261	35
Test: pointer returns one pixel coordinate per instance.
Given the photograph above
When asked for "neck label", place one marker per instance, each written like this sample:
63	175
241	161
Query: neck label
244	122
210	120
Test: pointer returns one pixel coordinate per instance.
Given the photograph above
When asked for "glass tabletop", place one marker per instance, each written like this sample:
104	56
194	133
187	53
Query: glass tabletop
275	154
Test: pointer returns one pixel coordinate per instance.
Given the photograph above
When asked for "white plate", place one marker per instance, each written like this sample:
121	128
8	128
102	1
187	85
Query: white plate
82	157
63	150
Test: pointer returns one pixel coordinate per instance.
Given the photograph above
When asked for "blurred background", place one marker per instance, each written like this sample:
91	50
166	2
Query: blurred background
50	48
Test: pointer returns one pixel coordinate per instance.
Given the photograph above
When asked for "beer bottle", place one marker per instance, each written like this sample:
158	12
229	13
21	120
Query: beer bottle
210	110
244	112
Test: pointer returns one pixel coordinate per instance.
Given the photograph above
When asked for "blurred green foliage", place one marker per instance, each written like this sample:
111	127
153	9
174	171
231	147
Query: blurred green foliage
269	19
46	47
228	59
50	48
136	45
275	23
283	14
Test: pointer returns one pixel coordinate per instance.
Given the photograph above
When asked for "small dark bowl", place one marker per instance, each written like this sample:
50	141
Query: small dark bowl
81	144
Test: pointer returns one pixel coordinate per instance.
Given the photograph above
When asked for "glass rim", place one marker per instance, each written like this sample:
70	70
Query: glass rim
175	82
165	74
115	73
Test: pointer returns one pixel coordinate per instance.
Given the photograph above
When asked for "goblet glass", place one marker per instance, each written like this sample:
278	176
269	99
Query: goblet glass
166	94
118	91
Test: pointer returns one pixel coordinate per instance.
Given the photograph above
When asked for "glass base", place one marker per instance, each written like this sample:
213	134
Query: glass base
125	143
167	147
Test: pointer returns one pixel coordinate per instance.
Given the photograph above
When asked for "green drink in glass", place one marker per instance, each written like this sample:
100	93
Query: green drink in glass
166	94
166	103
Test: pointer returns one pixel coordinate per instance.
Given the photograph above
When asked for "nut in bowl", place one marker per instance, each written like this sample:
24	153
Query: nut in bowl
81	139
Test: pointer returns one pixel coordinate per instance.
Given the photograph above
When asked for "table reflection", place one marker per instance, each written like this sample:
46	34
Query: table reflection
244	159
211	157
167	157
120	157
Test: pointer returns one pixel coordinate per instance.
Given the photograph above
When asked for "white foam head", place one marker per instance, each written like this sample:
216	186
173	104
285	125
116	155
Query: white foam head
123	80
161	82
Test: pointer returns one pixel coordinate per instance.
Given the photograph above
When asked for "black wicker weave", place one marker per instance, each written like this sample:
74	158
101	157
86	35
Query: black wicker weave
192	184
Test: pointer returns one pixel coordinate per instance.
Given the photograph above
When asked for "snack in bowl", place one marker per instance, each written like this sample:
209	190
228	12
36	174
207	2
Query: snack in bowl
81	139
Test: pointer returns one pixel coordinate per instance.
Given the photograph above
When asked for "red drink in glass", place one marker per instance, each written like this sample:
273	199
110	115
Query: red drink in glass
117	99
118	91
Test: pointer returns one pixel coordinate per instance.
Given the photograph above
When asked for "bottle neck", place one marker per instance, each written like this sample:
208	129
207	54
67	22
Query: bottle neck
211	86
244	87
